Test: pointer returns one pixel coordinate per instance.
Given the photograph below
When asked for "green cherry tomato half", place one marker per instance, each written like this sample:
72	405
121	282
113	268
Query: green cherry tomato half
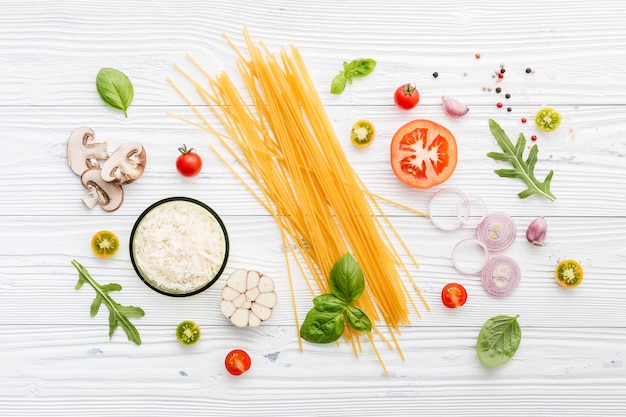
453	295
237	362
362	133
547	119
104	244
187	332
569	273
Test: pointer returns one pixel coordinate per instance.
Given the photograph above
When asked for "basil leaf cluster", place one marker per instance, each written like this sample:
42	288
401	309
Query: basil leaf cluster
498	340
115	88
326	321
356	68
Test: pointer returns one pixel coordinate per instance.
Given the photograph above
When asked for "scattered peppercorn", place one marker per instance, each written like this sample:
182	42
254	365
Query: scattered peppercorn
533	138
508	109
499	105
498	89
502	70
523	120
500	75
507	95
477	56
435	74
528	70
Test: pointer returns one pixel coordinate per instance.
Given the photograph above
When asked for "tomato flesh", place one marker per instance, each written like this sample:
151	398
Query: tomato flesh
237	362
423	154
453	295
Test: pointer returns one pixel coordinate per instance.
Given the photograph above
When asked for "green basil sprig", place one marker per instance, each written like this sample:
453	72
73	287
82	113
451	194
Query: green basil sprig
357	68
325	322
115	88
498	340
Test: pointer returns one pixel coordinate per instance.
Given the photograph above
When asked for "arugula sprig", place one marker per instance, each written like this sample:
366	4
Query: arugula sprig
325	322
522	169
357	68
118	314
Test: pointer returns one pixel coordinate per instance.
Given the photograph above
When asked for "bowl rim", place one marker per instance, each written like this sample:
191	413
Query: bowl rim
204	206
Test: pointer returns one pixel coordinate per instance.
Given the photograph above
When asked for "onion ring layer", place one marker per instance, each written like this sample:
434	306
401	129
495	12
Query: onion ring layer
497	231
500	276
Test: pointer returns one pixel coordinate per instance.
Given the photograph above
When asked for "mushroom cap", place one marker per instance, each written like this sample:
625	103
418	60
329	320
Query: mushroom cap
110	196
83	152
125	164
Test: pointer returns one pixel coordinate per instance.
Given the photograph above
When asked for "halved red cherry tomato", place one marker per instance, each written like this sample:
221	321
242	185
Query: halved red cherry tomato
237	362
406	96
423	154
453	295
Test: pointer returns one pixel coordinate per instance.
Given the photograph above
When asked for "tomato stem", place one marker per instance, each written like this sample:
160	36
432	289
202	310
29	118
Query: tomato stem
184	149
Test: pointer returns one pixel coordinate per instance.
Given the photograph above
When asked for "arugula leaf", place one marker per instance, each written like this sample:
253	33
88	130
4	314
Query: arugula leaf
346	279
357	68
325	322
523	170
118	314
115	88
498	340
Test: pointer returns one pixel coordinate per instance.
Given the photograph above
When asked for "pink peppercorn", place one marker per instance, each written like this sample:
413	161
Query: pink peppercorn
499	105
523	120
533	138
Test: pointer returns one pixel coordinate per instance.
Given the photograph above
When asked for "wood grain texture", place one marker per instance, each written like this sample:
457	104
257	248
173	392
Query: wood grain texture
57	361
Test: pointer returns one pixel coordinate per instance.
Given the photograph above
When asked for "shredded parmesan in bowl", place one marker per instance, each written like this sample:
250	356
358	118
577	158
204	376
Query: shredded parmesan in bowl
179	246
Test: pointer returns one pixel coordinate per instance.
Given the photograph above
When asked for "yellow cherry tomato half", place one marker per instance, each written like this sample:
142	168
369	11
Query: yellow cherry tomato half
362	133
104	244
568	273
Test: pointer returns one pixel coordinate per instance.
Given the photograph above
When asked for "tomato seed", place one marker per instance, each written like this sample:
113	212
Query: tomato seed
499	105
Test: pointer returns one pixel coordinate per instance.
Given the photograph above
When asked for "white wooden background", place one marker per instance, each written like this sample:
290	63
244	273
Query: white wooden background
57	361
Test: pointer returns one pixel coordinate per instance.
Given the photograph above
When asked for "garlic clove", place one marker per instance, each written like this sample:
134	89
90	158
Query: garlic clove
536	232
453	107
228	308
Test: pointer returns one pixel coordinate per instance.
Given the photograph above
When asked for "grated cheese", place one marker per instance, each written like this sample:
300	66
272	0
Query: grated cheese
179	246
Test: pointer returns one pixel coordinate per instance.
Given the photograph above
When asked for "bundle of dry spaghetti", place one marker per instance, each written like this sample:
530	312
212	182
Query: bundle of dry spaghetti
283	140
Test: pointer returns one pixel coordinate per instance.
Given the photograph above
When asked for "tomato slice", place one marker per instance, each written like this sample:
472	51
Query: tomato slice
237	362
569	273
453	295
104	244
187	332
423	154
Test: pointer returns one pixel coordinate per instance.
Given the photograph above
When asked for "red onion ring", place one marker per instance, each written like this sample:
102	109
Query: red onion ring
497	231
500	276
462	244
463	211
434	220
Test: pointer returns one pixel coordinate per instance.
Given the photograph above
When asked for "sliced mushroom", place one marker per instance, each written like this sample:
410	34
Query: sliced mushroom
108	195
125	164
83	152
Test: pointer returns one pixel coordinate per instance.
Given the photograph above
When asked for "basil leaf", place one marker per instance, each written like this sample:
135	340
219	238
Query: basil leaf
328	303
358	319
322	326
338	84
498	340
346	279
360	68
115	88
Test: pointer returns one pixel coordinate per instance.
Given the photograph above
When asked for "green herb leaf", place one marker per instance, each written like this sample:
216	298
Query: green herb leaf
523	170
322	326
115	88
118	314
338	84
498	340
359	68
328	303
346	279
358	319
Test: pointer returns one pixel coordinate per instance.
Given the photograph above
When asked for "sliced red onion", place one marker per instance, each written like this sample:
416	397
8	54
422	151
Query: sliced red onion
497	231
500	276
464	212
438	223
456	254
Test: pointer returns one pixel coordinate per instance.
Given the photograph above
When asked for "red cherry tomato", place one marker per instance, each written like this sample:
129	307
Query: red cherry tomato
188	163
237	362
406	96
453	295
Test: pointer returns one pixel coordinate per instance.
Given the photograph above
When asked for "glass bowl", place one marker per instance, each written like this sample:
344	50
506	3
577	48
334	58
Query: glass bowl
179	246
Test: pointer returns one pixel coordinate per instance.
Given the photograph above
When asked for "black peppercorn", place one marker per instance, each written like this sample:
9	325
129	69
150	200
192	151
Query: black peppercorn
498	90
502	70
435	74
508	109
507	95
528	70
